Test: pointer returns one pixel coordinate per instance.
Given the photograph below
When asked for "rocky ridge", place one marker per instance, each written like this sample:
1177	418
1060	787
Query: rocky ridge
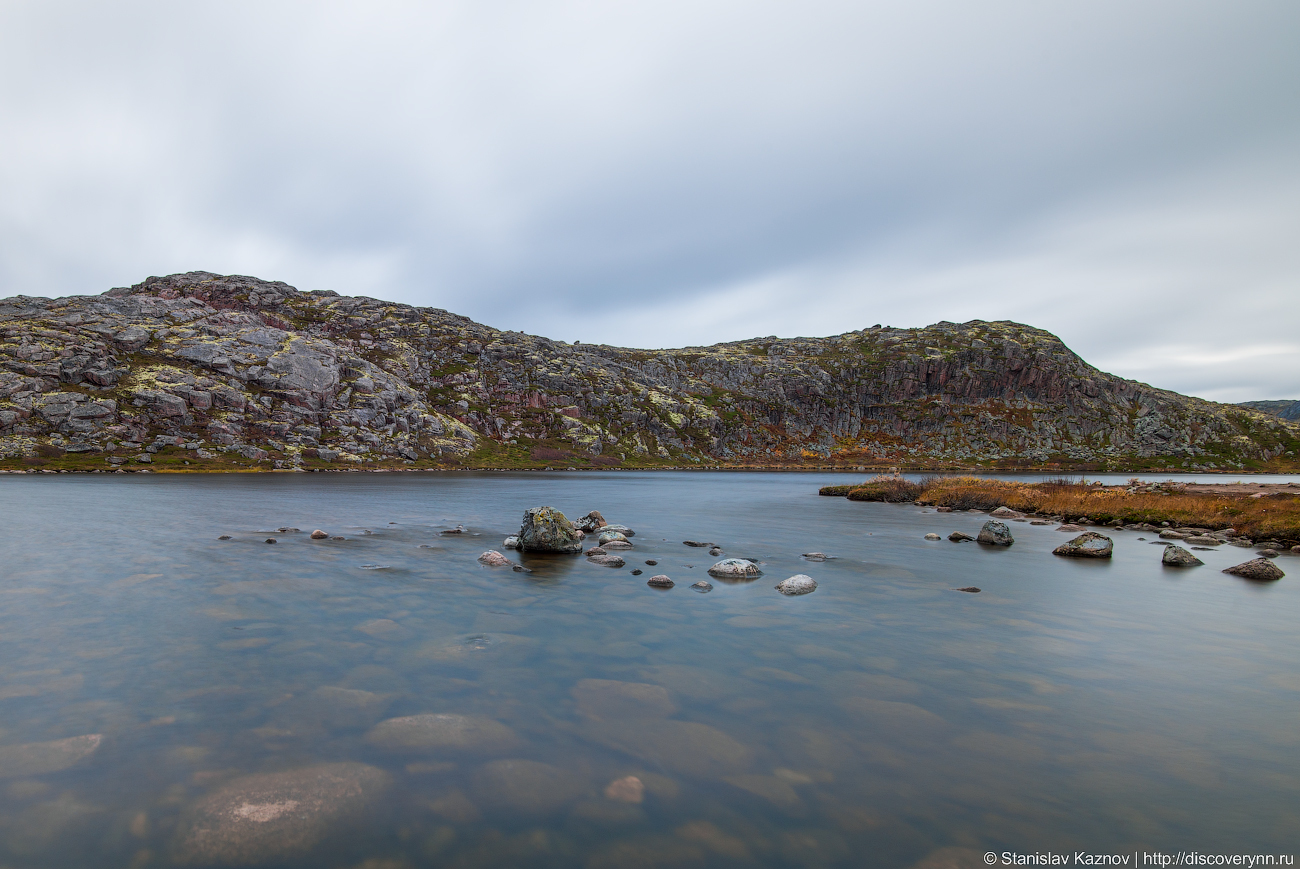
202	371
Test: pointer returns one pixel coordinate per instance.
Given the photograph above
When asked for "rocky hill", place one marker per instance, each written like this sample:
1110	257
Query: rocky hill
1287	408
200	371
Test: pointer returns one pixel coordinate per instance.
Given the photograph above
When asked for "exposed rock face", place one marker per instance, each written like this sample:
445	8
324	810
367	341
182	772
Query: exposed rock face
270	818
1177	556
259	370
545	529
1089	544
995	533
1260	569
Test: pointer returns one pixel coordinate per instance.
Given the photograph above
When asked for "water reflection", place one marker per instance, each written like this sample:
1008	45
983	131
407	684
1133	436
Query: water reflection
385	701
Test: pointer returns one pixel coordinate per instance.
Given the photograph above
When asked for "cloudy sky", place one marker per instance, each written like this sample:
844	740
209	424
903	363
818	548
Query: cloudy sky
657	174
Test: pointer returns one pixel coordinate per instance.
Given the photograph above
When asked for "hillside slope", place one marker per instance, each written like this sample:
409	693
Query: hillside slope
255	373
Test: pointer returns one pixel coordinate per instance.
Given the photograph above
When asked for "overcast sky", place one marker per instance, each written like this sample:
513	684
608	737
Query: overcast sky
657	174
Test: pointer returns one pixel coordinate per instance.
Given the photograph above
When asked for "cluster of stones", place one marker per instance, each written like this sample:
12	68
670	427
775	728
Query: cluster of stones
240	368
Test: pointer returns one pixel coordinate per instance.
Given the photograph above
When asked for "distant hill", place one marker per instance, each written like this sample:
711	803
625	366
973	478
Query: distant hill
250	372
1286	408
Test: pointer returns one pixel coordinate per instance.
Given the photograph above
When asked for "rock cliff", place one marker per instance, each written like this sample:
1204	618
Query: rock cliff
199	371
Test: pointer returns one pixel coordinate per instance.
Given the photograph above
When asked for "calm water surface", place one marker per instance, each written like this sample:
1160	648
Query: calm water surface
1070	705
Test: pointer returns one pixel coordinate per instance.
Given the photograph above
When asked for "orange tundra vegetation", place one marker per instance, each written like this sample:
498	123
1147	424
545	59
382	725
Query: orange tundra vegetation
1271	516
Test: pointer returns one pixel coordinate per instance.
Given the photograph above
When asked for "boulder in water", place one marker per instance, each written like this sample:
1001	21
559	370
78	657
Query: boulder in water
995	533
1177	556
611	536
546	529
1089	544
932	536
659	581
318	535
607	560
702	586
1260	570
959	537
735	568
797	584
492	558
511	542
1005	513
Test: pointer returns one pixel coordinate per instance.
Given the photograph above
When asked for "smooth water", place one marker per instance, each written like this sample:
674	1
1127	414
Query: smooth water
1070	705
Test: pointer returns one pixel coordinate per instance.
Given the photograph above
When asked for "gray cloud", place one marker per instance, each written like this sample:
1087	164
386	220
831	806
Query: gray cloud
1126	175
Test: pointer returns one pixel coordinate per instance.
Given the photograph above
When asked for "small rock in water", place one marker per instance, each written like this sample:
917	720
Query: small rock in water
617	544
660	581
995	533
1005	513
696	543
943	509
338	538
1173	535
287	530
1260	569
270	540
1040	522
702	586
628	789
814	556
932	536
959	537
970	588
519	568
621	529
607	560
1089	544
797	584
595	550
636	572
1069	528
735	568
318	535
492	558
224	537
1203	540
1268	553
1177	556
511	542
459	529
610	536
715	551
652	562
591	522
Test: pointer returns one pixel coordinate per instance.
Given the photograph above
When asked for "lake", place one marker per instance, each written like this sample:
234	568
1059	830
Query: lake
385	701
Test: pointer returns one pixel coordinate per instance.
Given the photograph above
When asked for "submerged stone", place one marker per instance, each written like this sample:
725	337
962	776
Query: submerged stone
40	758
270	818
526	787
610	698
441	731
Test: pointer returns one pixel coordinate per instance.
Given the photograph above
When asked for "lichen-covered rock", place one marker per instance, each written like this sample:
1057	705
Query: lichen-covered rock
797	584
995	533
1089	544
611	536
545	529
735	568
1177	556
593	521
1259	569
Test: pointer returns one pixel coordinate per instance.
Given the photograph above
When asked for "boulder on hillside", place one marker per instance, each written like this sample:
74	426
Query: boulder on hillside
546	529
1177	556
1089	544
995	533
1260	570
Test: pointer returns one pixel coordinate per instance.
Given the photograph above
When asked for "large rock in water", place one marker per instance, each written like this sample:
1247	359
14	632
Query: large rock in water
1177	556
1260	569
995	534
735	569
546	530
1089	544
274	818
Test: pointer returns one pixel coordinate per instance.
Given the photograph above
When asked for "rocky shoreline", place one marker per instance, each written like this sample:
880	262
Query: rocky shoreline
203	372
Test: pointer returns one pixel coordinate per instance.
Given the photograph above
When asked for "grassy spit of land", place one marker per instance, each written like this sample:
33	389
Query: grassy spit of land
1274	516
